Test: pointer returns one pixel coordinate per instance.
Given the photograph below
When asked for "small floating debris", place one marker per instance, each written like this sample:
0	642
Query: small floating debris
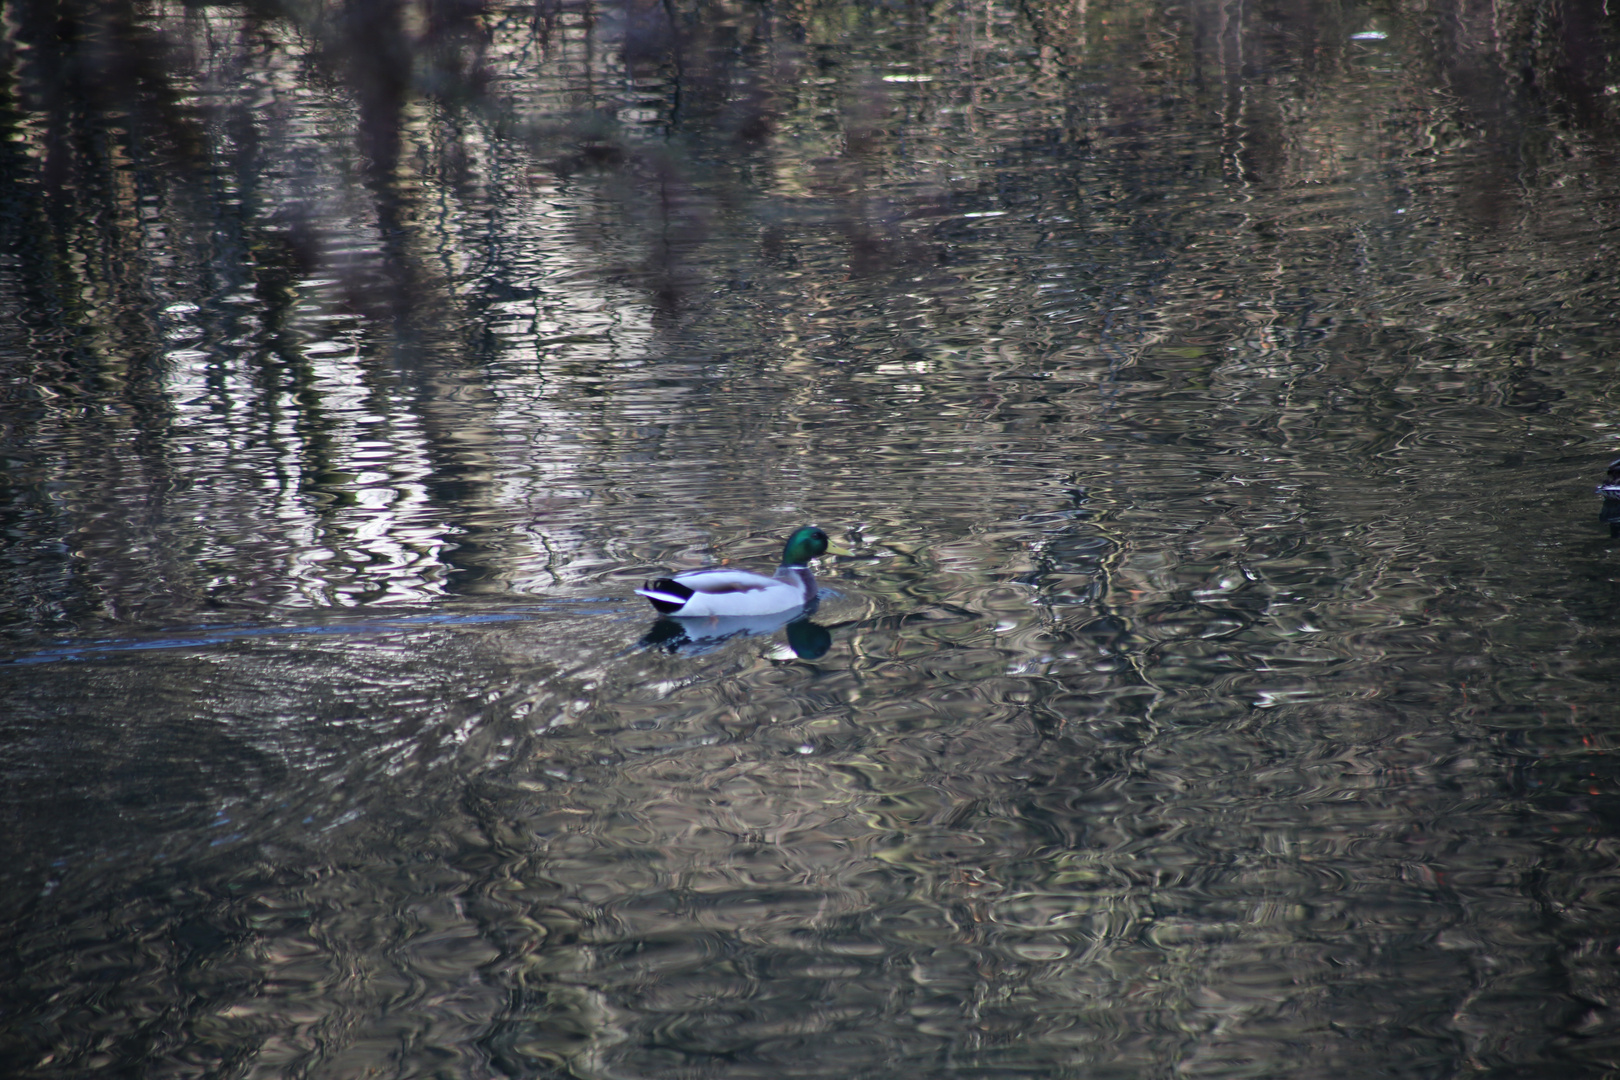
1369	35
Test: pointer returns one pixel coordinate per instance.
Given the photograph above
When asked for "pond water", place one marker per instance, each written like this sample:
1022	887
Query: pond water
1221	682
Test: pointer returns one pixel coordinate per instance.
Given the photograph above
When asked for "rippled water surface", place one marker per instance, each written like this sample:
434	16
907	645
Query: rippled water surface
1211	398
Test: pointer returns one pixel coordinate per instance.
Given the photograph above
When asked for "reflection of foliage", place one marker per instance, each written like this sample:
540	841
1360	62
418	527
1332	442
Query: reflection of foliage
714	124
669	96
323	199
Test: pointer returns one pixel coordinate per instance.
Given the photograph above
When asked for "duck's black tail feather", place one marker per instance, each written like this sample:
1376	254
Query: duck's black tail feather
666	594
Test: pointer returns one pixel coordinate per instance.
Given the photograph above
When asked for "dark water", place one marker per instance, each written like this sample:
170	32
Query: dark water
1222	684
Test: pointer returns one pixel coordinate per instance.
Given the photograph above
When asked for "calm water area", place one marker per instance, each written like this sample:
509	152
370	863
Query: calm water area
1222	679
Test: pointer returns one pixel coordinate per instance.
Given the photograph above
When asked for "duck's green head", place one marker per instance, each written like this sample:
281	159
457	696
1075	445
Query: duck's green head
806	544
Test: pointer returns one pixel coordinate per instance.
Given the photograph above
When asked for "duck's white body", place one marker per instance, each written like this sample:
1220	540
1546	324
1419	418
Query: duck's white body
722	592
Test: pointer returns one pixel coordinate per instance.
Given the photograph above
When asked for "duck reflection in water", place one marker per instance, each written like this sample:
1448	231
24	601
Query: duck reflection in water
1610	490
693	637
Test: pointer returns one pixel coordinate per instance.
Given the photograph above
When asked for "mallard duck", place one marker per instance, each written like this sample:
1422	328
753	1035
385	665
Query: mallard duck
1610	488
722	591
